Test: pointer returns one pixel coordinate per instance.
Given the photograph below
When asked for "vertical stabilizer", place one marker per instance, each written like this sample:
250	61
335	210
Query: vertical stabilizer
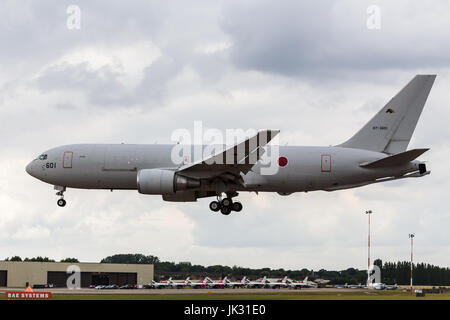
390	130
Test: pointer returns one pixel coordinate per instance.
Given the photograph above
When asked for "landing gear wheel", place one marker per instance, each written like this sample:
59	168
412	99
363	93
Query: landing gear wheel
61	202
227	202
225	210
236	206
214	206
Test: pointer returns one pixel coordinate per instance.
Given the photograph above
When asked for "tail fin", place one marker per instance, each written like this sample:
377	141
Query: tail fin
284	279
305	280
390	130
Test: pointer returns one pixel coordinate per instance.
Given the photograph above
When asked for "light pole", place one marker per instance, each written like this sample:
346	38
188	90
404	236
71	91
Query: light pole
368	212
411	236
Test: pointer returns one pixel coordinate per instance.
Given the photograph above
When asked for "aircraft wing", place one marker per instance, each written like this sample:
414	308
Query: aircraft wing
230	163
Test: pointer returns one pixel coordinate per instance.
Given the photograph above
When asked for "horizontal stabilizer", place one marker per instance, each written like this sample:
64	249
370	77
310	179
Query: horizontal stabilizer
396	159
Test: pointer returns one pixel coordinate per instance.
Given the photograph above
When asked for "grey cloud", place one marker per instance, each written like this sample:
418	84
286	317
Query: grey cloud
156	76
323	38
101	85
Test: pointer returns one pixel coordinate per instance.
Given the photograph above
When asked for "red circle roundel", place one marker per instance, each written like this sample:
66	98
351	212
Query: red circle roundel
282	161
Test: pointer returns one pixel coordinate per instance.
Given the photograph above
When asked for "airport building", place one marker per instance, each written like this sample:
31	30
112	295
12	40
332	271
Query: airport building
19	274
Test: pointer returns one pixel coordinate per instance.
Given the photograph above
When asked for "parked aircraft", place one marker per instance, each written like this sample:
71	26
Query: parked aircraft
178	284
276	285
389	287
197	285
377	286
216	284
161	285
257	283
376	153
382	286
356	286
341	286
237	284
299	284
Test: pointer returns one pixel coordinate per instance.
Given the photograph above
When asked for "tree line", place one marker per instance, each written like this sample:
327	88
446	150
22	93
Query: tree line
40	259
391	272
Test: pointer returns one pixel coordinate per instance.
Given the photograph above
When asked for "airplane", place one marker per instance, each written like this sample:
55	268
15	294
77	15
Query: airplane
356	286
160	285
377	286
376	153
389	287
340	286
382	286
299	284
276	285
257	283
237	284
216	284
178	285
197	285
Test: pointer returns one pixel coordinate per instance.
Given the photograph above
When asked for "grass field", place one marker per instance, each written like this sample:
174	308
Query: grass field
304	295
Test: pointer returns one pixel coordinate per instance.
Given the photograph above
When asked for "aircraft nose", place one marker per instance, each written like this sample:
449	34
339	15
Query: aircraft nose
29	168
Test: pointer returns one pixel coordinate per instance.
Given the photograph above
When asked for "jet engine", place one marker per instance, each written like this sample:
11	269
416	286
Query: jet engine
161	181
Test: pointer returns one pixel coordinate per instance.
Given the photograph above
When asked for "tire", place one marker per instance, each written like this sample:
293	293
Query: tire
214	206
61	202
227	202
237	206
225	210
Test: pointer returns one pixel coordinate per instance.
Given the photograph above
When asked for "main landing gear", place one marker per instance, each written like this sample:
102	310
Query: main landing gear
61	202
225	206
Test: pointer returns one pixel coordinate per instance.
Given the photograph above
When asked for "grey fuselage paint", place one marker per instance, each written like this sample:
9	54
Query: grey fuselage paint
115	166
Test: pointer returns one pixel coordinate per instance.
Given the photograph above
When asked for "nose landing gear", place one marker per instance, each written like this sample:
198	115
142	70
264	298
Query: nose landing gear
61	202
226	205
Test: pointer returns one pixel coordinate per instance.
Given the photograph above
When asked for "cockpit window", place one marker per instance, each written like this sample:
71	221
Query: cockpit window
42	157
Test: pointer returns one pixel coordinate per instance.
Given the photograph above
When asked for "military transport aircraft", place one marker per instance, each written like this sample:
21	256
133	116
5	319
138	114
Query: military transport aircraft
376	153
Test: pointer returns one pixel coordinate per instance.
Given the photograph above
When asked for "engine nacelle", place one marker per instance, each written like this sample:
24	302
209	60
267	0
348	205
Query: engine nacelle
160	181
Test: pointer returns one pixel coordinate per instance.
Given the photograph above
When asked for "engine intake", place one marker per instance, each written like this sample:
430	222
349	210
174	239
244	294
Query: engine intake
161	181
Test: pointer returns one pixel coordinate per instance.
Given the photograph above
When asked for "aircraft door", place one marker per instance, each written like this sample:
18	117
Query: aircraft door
325	163
67	159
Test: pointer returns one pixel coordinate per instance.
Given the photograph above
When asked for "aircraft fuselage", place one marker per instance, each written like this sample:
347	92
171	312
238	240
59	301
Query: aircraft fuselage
115	166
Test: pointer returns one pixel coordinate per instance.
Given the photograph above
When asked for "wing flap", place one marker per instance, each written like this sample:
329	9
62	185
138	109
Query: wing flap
236	159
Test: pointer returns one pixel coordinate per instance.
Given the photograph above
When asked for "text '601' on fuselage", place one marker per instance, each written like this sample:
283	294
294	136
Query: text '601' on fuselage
376	153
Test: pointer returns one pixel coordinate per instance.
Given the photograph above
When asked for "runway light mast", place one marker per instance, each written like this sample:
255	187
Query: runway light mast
411	236
368	212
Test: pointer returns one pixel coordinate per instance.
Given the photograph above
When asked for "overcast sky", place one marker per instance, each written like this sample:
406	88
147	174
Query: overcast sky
136	71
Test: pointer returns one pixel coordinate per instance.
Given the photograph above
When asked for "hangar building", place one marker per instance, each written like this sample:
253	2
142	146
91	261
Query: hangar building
21	274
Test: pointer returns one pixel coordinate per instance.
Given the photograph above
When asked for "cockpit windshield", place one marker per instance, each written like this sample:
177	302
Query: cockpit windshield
42	157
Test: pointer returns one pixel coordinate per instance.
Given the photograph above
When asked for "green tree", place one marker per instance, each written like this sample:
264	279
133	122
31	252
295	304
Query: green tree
39	259
14	258
72	260
131	258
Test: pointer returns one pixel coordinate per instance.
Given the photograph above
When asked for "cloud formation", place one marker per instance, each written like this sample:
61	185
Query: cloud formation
134	73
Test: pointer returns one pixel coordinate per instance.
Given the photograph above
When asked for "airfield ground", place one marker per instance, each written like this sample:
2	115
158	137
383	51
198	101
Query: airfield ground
232	294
